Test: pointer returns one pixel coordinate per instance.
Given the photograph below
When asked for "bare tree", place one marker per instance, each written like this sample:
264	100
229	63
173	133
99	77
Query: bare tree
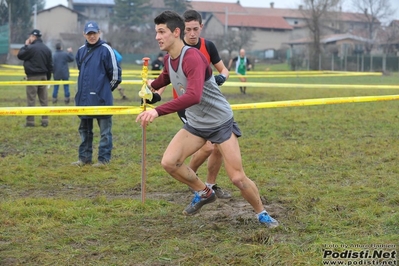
390	41
233	40
374	12
315	11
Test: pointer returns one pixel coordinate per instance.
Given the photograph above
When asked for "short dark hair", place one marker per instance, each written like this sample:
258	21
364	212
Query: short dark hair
172	20
58	46
192	15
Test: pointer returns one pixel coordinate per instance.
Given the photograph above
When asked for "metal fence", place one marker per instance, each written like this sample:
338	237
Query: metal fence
360	62
4	39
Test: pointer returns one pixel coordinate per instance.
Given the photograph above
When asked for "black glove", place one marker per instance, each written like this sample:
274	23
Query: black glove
114	87
220	79
155	98
48	75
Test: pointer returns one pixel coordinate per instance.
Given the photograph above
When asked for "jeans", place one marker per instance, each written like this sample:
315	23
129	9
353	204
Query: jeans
86	135
66	91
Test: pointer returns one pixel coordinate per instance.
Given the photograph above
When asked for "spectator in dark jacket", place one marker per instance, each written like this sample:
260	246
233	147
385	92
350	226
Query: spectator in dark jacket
157	64
61	70
38	65
99	75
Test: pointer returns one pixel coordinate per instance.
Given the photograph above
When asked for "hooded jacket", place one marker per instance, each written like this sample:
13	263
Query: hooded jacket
99	74
37	59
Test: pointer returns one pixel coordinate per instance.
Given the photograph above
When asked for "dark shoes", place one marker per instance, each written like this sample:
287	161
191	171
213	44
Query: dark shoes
221	193
66	100
44	124
197	203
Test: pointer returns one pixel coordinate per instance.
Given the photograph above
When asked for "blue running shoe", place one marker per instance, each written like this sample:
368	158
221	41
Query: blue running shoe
266	219
197	203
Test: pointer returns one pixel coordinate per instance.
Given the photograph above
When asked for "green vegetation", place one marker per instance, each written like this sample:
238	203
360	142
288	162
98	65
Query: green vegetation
328	173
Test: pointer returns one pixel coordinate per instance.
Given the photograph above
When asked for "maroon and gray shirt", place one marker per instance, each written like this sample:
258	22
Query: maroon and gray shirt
193	81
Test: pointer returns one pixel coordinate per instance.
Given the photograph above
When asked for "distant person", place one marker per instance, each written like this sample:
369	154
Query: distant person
99	75
157	64
38	65
242	64
61	70
119	60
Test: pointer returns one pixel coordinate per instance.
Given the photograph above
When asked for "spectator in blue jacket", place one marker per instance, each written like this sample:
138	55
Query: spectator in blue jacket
99	75
61	70
119	59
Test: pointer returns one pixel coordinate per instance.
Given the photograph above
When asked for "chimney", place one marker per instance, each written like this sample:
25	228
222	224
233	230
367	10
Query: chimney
271	4
300	7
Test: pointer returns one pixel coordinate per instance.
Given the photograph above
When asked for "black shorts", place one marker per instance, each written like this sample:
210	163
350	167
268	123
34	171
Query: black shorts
218	134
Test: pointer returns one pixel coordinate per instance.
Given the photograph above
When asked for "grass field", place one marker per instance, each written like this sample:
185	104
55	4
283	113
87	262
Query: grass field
328	173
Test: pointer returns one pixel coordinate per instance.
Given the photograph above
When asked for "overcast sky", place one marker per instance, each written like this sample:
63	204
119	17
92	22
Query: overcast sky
257	3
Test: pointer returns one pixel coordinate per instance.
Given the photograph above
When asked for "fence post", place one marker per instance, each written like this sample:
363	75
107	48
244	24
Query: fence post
384	62
362	62
371	63
319	61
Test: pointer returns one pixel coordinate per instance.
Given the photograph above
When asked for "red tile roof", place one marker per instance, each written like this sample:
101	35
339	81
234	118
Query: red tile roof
281	12
254	21
218	7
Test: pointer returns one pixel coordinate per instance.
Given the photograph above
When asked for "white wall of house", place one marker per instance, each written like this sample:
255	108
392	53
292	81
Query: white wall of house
98	13
262	38
266	39
57	20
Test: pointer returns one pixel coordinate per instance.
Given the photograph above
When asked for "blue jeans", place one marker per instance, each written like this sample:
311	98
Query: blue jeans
86	135
66	91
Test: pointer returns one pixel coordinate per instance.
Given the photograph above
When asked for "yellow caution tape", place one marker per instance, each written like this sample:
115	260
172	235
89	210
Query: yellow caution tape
307	102
308	86
226	84
128	110
36	83
53	82
75	110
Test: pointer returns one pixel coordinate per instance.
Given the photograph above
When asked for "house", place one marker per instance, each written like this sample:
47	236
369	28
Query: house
99	10
388	38
272	28
267	32
58	20
338	44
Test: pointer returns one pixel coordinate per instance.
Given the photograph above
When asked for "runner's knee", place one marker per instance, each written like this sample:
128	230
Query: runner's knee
169	165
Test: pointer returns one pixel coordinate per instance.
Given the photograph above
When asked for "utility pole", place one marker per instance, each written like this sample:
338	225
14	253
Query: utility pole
34	15
9	30
226	20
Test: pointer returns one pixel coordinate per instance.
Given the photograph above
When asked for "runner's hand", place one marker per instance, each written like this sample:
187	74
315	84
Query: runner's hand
220	79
